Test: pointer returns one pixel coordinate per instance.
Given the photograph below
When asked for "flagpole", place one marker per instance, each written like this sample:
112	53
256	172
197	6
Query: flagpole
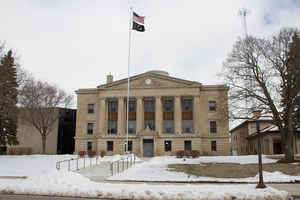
128	80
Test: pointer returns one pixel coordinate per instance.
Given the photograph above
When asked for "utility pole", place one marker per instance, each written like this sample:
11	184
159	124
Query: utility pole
261	179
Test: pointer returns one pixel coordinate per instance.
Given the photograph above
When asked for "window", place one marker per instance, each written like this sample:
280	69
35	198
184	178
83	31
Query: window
113	106
129	146
90	108
187	105
253	126
187	126
188	145
110	145
131	126
213	126
212	106
149	106
112	126
213	145
168	126
89	146
90	128
168	145
168	105
150	124
132	106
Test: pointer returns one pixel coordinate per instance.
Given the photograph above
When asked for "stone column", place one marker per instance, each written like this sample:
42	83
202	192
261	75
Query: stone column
177	115
121	116
102	110
158	115
196	114
139	115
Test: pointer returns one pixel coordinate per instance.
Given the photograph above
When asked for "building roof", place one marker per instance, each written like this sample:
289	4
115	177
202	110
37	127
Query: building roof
157	73
268	129
247	121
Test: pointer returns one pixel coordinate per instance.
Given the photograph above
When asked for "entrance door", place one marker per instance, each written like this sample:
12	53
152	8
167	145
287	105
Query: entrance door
148	148
277	147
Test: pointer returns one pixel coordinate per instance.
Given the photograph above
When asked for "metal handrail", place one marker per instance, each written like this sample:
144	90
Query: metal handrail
58	163
120	164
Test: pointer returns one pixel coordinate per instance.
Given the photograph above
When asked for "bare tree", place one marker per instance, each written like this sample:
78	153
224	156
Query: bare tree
259	75
39	102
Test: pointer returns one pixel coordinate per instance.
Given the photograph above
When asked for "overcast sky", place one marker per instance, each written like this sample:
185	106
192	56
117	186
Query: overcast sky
75	44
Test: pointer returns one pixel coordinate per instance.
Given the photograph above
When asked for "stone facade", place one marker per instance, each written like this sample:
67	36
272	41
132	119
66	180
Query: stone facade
166	114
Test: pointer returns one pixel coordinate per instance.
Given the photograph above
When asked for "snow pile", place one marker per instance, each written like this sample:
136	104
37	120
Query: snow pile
66	183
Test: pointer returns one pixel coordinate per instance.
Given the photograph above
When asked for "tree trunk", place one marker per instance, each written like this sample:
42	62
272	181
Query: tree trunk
289	143
44	137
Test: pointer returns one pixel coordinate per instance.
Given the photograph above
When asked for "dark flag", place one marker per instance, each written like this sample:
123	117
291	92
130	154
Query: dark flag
138	22
138	27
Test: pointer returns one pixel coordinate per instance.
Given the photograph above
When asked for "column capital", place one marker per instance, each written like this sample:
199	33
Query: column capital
139	97
158	97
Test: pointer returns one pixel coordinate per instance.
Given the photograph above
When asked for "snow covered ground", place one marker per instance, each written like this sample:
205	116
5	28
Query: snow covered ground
157	170
73	184
43	178
35	165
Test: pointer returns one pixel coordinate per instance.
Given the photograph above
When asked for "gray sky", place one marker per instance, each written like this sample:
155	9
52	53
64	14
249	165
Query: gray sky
75	44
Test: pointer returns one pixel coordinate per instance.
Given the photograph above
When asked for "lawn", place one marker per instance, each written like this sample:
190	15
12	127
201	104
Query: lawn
211	169
233	170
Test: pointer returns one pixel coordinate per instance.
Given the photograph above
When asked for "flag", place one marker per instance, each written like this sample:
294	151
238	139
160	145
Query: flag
138	27
138	18
138	22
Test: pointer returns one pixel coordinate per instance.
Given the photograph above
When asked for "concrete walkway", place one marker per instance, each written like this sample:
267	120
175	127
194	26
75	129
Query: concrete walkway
96	173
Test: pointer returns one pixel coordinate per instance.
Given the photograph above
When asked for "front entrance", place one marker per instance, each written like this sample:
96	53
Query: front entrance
148	148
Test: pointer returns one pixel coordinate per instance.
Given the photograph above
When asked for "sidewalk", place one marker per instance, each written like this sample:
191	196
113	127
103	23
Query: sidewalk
97	173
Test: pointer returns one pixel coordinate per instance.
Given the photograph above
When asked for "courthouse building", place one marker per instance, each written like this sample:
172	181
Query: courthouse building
166	114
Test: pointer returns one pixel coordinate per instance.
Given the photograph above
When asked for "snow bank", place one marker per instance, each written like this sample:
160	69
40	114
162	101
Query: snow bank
65	183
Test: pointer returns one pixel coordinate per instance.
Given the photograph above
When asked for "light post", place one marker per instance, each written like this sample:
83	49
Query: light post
261	179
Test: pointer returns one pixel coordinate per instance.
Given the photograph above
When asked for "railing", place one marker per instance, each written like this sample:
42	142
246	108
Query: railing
78	163
122	164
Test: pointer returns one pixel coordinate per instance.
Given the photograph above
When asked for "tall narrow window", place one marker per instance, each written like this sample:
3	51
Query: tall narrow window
129	146
89	146
168	145
112	117
90	128
90	108
213	126
110	145
212	105
149	114
131	116
187	115
213	145
188	145
168	116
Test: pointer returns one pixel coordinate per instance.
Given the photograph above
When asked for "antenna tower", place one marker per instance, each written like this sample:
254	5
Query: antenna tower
244	13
